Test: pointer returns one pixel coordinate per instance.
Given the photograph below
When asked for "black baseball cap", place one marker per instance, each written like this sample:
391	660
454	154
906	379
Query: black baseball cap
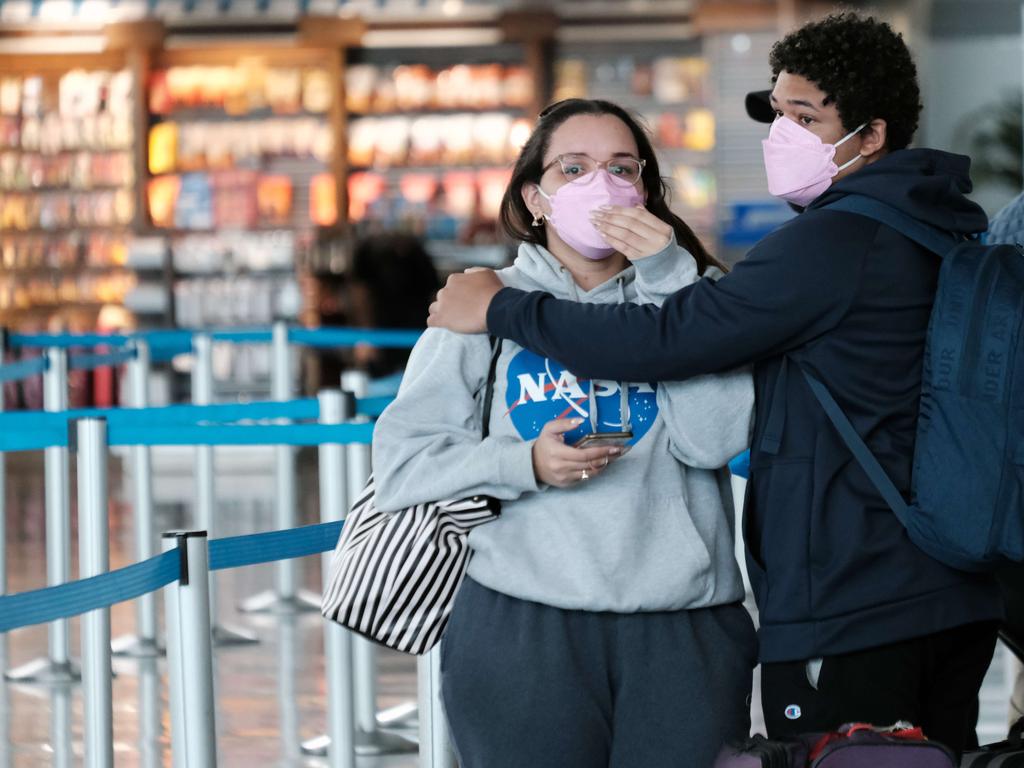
759	106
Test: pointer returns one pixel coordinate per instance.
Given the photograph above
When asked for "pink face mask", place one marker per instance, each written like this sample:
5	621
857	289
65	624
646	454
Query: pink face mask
572	203
799	165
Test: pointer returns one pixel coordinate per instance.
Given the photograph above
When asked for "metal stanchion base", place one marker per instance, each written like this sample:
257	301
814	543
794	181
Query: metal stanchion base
225	636
400	717
270	602
46	672
137	647
317	746
367	744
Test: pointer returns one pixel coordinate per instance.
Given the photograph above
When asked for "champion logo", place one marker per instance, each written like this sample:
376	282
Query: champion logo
793	712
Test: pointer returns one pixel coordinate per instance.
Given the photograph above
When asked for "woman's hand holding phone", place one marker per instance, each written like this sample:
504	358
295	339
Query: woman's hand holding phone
561	465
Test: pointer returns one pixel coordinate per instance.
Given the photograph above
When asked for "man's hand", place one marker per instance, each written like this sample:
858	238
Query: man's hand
462	304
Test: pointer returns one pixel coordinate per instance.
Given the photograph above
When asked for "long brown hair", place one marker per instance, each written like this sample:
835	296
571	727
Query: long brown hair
516	217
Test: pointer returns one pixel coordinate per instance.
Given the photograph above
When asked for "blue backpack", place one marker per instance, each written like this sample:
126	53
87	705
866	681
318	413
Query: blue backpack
967	506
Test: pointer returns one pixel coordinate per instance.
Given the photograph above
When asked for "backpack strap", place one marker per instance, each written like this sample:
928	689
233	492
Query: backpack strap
932	238
489	389
860	451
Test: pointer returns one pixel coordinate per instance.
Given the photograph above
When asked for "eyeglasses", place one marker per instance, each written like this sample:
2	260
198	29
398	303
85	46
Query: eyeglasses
577	165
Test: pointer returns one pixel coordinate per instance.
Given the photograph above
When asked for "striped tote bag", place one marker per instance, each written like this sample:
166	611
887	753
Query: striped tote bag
394	575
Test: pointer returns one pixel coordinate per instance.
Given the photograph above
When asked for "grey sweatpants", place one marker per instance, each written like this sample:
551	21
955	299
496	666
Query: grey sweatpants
526	685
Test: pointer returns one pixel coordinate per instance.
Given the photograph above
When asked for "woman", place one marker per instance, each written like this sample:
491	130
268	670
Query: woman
600	622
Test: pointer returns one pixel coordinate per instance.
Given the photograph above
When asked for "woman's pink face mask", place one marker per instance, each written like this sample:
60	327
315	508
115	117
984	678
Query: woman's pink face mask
572	203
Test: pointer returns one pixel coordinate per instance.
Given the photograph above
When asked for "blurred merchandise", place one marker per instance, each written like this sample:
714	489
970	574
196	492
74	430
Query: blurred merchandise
193	208
411	87
232	252
205	145
439	205
53	290
323	203
250	86
244	300
274	200
162	196
450	139
67	181
679	80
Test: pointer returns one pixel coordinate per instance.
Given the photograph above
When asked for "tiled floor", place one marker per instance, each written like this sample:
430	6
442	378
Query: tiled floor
270	696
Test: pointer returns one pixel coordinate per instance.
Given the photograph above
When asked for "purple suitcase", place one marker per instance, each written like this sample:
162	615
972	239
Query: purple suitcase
852	746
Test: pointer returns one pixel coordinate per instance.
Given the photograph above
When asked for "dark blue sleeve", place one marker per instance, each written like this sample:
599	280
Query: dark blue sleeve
782	295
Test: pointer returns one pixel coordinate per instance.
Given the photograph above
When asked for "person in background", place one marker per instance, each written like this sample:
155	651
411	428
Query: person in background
1008	227
856	622
601	621
391	283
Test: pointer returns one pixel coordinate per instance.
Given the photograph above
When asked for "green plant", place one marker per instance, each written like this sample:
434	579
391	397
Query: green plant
993	138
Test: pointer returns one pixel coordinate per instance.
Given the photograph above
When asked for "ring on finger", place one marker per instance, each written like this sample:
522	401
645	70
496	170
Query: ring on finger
584	475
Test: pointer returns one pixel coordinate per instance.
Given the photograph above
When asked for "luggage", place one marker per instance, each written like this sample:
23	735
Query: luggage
1004	754
857	745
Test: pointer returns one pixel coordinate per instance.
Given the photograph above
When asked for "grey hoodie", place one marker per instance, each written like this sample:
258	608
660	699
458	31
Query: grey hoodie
653	532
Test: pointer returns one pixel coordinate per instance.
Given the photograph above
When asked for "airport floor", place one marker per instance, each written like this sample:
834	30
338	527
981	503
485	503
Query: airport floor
270	695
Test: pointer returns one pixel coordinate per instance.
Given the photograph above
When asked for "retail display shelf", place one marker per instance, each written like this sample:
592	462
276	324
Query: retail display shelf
120	228
439	111
400	169
215	114
56	269
234	271
49	306
91	150
66	189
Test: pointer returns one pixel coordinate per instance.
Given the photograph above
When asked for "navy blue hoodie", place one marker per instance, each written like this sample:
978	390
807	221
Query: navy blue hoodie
848	299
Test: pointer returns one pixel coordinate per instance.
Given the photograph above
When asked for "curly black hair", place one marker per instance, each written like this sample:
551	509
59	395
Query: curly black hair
862	65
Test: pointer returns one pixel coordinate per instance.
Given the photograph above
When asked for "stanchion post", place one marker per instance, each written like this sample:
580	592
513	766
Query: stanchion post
435	740
202	394
190	654
60	727
370	740
286	597
150	714
339	744
145	644
57	667
284	497
94	559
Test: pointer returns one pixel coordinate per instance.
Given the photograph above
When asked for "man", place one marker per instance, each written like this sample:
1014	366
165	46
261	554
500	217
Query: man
857	624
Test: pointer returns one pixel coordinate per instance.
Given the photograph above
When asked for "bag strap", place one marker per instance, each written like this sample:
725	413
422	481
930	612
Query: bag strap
932	238
1016	733
489	389
860	451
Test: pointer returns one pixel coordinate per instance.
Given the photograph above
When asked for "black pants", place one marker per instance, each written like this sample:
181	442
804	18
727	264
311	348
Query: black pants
930	681
531	686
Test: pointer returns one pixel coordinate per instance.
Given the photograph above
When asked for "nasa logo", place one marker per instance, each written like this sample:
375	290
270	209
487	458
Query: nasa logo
540	390
793	712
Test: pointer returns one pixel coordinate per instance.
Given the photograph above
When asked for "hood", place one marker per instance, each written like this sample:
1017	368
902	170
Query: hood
927	184
537	270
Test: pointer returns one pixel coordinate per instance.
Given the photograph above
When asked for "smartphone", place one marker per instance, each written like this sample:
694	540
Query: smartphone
603	439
